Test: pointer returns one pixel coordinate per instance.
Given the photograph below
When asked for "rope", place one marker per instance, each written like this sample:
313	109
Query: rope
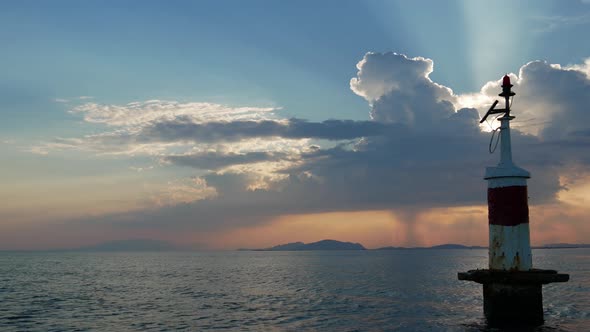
492	139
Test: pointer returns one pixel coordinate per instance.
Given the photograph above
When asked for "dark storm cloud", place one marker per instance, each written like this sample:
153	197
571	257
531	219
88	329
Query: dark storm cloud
215	160
185	129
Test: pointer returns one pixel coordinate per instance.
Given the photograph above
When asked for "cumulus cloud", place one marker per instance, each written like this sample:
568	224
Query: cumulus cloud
400	91
556	95
551	101
402	75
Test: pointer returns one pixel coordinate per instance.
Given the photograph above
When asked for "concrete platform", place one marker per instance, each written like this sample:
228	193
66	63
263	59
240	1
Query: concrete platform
534	276
513	298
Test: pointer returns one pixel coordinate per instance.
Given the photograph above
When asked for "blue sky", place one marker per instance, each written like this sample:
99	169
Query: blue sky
297	57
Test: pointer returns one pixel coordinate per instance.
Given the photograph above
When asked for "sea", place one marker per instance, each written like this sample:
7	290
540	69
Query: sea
397	290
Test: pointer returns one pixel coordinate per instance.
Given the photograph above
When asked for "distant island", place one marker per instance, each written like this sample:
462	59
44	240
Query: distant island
320	245
562	246
460	246
338	245
440	246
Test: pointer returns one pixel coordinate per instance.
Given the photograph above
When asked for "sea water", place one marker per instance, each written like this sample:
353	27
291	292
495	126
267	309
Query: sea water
399	290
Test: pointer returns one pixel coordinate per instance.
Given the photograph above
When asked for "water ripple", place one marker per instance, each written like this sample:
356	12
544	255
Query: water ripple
268	291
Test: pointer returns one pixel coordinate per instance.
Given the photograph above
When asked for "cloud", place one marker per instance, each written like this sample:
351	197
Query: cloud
66	100
177	192
551	101
556	95
109	143
141	169
168	137
552	23
423	147
164	128
8	141
400	91
402	75
216	160
583	68
141	113
187	130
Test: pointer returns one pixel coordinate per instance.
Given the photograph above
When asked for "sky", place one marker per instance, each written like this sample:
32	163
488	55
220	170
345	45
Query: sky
228	124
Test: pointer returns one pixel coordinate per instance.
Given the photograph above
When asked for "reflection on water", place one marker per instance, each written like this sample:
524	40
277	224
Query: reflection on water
411	290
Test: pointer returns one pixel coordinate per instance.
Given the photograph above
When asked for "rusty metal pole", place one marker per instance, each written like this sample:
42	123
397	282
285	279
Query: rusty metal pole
512	289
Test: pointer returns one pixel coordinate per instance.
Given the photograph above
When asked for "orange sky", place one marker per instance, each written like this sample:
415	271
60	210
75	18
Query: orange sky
562	221
373	229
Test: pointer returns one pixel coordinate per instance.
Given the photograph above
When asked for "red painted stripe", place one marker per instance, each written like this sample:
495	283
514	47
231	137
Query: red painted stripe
508	206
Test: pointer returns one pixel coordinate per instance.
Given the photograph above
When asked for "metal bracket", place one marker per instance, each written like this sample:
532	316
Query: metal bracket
494	111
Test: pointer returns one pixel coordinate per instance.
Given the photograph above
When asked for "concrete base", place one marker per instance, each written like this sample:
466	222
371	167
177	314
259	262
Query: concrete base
513	298
513	304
